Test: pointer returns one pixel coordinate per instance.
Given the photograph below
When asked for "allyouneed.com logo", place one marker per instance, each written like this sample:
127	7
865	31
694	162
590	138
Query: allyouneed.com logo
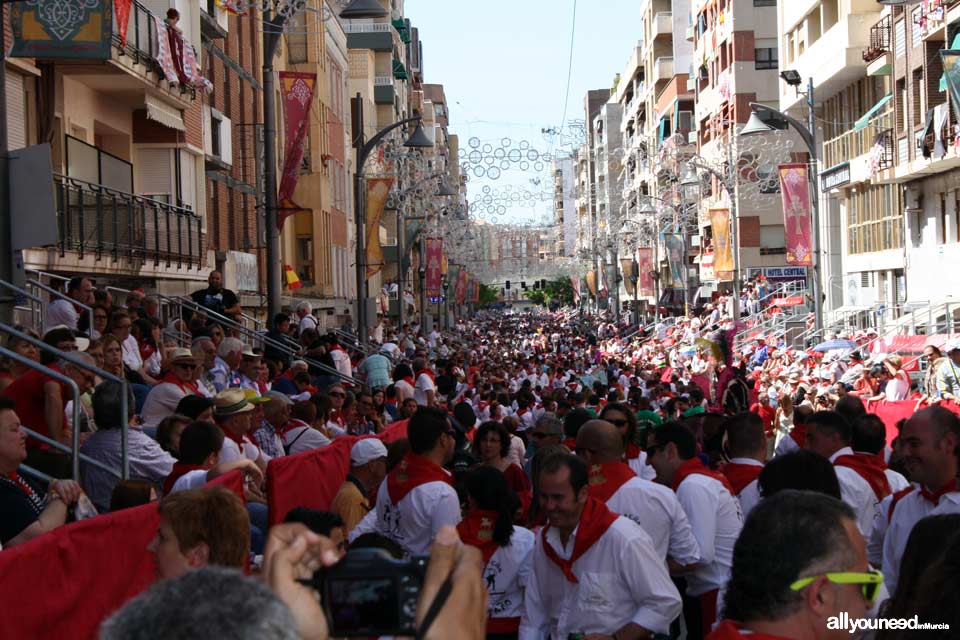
854	625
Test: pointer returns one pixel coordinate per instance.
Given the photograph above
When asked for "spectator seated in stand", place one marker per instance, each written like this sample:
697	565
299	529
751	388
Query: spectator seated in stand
132	493
322	523
199	462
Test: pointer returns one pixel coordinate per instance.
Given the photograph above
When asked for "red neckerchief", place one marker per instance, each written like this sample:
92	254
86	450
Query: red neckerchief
27	489
476	529
179	470
594	522
606	478
729	630
869	467
230	435
570	443
430	374
633	451
934	496
409	380
695	466
413	471
337	418
292	423
799	434
186	387
740	475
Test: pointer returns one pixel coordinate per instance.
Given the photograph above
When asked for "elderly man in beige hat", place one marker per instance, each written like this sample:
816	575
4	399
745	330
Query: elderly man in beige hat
232	411
177	383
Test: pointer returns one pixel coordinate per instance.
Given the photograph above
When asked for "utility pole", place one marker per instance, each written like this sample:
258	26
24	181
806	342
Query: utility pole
815	218
272	28
6	225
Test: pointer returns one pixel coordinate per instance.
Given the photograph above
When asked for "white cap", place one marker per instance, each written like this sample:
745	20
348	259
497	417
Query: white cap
953	345
367	450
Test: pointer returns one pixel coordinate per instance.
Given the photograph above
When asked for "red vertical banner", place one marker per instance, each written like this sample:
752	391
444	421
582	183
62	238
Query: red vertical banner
474	290
722	246
378	189
434	265
461	290
575	283
121	9
297	90
795	191
645	260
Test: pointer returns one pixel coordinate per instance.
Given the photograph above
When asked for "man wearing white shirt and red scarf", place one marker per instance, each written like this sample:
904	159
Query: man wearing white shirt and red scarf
418	496
231	410
929	441
714	513
594	572
863	483
747	445
425	389
652	506
163	398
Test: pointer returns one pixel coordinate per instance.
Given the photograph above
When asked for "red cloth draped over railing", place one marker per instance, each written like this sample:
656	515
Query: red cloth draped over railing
893	411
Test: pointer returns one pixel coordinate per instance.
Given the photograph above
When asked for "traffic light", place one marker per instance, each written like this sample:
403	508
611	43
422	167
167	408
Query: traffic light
543	283
536	284
508	285
523	285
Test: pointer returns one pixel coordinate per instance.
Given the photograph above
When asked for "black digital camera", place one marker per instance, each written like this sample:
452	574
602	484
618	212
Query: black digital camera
368	593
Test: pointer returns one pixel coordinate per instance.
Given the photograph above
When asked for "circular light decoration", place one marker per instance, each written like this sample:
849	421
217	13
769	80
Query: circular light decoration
524	165
524	145
514	155
474	142
502	210
506	142
487	148
494	219
487	199
479	172
499	153
547	157
476	157
491	210
504	164
486	188
533	155
493	173
538	166
489	160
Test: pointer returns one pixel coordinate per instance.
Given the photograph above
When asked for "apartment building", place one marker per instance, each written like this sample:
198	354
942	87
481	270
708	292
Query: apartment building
607	193
564	206
128	156
735	62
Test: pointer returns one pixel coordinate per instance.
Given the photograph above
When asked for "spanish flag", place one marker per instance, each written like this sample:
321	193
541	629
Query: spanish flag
293	281
230	6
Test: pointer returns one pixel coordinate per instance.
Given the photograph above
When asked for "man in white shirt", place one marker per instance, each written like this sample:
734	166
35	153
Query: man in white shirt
829	435
711	507
64	312
340	357
747	445
594	572
163	398
418	496
929	440
425	389
305	317
231	411
652	506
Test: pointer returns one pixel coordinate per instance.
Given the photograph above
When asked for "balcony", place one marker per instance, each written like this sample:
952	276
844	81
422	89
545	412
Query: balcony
851	144
662	69
383	90
662	24
878	54
378	36
92	219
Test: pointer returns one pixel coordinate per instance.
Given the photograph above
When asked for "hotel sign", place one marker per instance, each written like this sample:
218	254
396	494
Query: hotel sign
835	176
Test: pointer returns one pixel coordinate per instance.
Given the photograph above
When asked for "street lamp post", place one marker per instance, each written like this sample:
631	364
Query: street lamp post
443	321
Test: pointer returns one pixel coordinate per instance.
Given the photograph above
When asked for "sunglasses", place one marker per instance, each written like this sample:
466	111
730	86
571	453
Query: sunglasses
539	436
619	423
184	365
337	394
869	582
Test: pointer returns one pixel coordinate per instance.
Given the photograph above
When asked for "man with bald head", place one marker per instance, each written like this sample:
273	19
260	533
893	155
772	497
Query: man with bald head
654	507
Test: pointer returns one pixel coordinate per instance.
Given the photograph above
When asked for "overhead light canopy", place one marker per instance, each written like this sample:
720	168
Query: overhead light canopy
647	208
755	126
689	177
418	139
791	77
445	190
364	9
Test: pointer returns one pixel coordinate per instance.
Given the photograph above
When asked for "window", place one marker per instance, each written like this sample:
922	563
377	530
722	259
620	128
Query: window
765	58
916	31
296	33
216	123
764	3
956	216
874	220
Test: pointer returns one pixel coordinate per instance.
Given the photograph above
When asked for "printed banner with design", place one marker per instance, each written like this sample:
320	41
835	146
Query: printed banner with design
592	282
673	245
378	189
434	265
722	247
78	29
626	270
645	258
297	90
575	283
461	289
475	284
795	191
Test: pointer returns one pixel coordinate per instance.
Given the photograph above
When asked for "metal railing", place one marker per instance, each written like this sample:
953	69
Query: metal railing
141	45
377	27
880	41
74	449
60	296
26	302
854	143
94	219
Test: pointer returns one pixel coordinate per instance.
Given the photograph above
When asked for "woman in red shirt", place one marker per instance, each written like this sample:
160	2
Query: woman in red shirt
10	370
491	445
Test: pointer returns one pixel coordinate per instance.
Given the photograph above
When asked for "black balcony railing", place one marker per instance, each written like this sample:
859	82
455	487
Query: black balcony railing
880	41
141	44
881	156
94	219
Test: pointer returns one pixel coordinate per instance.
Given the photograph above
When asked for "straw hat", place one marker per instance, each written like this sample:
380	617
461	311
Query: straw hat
230	402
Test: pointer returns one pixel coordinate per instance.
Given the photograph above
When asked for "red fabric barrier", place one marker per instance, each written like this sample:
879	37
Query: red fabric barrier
65	583
892	412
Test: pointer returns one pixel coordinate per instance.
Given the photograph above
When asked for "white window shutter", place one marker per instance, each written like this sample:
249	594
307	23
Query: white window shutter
16	111
226	140
154	172
207	124
188	179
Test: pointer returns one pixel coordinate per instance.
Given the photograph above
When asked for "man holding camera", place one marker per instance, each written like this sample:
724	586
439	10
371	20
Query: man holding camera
418	497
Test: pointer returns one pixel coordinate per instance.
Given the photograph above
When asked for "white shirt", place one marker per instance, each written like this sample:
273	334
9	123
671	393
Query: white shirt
308	322
404	391
424	384
342	361
507	573
621	579
658	512
161	402
304	439
414	521
230	451
190	480
896	480
518	452
785	445
856	492
61	312
131	354
641	468
716	520
749	496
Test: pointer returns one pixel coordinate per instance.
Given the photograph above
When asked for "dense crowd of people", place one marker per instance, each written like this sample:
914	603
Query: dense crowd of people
691	480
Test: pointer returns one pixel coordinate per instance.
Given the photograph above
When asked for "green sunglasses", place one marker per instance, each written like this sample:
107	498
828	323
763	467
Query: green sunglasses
869	582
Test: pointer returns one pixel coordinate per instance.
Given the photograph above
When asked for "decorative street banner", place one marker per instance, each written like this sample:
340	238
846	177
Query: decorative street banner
795	192
673	245
79	29
122	11
575	283
377	191
645	258
626	269
592	282
475	290
722	247
461	289
951	77
297	90
434	260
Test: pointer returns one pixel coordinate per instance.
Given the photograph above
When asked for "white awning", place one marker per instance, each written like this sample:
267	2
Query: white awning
163	113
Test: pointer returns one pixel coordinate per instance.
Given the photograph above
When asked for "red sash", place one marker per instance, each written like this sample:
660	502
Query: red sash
695	466
187	387
606	478
728	630
934	496
799	434
229	435
741	475
179	470
503	625
594	522
869	467
633	451
570	443
410	381
413	471
476	529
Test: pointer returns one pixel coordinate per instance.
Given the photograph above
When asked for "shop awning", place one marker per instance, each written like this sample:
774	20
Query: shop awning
163	113
953	46
399	71
864	120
